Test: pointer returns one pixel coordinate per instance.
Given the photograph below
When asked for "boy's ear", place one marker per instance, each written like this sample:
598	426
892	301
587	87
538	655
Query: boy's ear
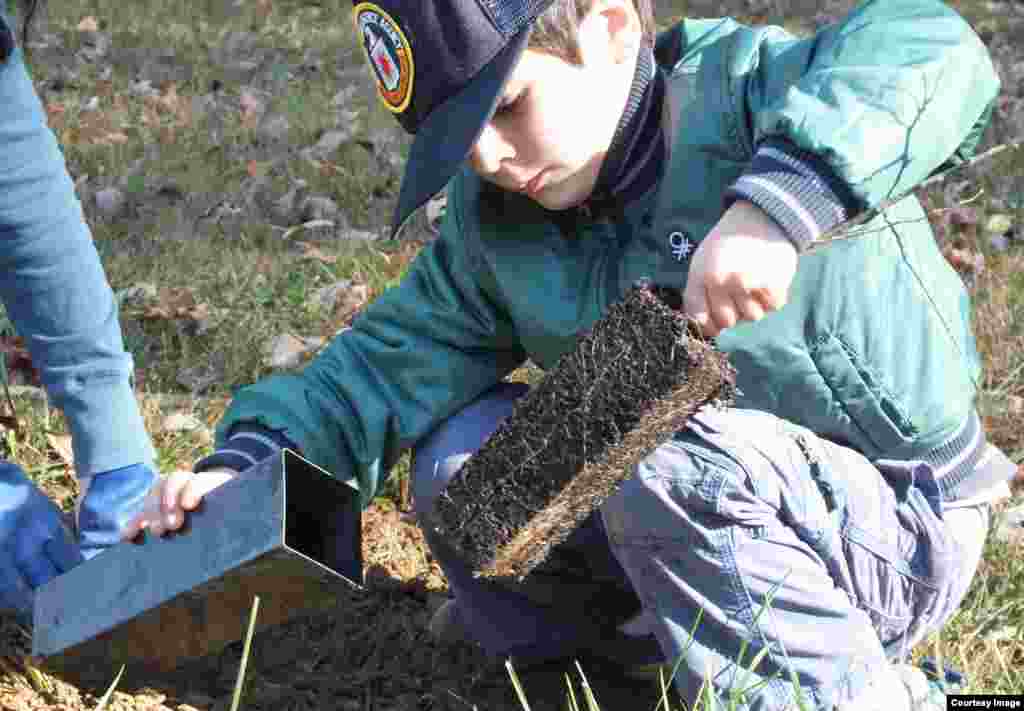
610	28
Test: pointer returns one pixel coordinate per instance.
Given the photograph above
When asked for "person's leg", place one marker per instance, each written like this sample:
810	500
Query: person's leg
745	535
567	604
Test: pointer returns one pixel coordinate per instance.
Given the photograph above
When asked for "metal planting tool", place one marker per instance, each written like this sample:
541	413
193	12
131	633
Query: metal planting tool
285	530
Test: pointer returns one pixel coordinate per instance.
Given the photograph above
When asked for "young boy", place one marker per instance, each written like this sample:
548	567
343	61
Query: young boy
834	517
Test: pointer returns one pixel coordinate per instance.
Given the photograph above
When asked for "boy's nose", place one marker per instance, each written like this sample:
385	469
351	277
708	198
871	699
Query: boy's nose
489	150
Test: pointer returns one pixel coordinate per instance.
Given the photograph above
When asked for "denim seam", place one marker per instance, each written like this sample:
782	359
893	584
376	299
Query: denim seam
747	615
711	488
858	536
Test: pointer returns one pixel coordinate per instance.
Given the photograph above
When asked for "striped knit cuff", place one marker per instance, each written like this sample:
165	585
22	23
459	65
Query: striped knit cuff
967	464
246	446
797	189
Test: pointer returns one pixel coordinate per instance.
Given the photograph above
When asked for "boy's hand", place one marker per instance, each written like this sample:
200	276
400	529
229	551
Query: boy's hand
740	271
169	499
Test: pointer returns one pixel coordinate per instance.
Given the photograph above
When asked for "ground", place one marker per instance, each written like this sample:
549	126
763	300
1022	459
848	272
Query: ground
236	170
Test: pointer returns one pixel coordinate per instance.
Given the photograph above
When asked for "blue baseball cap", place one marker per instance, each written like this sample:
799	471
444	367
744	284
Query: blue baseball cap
440	67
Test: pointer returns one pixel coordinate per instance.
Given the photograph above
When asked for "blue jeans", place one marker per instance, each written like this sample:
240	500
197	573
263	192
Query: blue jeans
742	533
53	286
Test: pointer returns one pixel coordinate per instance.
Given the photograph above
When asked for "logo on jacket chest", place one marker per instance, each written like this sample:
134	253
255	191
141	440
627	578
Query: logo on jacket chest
680	245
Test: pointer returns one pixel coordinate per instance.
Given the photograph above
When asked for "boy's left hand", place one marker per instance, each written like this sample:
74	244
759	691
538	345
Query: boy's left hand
740	271
171	498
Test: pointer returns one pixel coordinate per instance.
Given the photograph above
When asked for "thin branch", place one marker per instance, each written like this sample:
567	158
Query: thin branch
844	230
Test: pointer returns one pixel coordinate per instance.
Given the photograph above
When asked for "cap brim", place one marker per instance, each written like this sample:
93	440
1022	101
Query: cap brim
447	135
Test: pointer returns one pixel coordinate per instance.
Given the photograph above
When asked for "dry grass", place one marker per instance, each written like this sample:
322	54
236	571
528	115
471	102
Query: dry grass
259	284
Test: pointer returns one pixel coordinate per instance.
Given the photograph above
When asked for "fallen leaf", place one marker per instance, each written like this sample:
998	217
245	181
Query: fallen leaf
252	168
181	422
61	445
114	137
168	99
19	362
176	303
310	251
166	104
1015	404
88	24
348	307
264	264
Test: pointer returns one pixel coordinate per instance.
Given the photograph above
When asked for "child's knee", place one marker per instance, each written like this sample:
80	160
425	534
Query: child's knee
438	457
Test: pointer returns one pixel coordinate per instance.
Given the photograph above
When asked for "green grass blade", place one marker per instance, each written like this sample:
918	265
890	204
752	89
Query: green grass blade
105	699
664	690
236	696
573	704
588	693
517	686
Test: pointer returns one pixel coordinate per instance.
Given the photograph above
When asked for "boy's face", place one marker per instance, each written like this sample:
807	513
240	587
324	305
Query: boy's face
556	120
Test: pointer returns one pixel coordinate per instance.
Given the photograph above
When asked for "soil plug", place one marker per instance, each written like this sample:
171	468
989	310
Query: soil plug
628	384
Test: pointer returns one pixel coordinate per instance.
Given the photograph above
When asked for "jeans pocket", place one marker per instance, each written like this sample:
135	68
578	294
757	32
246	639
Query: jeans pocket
902	572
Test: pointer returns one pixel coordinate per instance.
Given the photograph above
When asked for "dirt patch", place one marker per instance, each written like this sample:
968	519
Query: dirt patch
374	654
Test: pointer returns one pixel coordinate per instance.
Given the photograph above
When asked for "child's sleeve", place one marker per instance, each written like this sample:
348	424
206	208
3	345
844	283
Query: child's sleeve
416	354
859	113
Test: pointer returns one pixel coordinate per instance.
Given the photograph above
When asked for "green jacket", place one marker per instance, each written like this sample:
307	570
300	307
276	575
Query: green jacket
875	346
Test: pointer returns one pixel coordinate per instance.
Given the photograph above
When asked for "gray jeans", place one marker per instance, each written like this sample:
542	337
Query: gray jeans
742	533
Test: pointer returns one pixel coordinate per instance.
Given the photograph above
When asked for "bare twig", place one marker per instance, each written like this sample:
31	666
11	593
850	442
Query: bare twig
844	230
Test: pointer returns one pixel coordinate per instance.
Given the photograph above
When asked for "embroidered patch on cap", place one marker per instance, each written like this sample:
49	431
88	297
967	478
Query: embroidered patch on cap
389	54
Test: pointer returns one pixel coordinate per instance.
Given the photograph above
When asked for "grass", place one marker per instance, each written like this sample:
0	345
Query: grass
257	277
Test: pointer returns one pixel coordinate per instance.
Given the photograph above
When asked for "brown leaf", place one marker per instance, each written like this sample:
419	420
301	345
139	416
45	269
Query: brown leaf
112	137
264	264
310	251
19	362
1015	404
200	312
252	168
88	24
348	307
169	98
61	445
167	103
176	303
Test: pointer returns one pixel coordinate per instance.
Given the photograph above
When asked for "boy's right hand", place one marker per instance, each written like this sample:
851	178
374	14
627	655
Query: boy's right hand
741	271
169	499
